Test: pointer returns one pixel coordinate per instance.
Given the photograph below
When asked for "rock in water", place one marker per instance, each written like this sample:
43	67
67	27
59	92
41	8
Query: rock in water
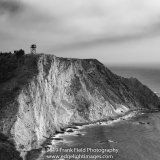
47	93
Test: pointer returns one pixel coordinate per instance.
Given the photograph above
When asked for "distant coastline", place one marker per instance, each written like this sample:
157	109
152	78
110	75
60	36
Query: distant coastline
149	76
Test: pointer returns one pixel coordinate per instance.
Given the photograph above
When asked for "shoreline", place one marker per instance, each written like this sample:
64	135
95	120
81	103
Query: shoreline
75	127
111	120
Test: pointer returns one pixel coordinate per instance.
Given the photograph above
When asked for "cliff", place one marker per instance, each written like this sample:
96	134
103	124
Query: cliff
46	93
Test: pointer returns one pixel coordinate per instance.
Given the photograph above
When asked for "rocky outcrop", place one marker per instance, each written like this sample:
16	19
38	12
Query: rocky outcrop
49	92
7	149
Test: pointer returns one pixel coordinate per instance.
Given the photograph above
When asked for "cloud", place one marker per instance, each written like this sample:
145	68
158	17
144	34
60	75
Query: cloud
65	24
88	21
10	6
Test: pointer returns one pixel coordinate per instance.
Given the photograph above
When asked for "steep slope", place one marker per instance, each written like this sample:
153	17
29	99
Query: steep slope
47	92
141	93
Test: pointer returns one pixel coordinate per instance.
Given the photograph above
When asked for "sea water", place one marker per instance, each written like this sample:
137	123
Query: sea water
134	139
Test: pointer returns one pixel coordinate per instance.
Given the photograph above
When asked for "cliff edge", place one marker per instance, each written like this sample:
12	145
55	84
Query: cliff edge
46	93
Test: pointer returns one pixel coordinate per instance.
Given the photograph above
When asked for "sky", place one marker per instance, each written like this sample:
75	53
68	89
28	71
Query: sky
116	32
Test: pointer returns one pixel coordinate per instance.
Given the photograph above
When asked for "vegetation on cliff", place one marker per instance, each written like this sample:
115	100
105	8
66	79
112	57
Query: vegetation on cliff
12	79
7	149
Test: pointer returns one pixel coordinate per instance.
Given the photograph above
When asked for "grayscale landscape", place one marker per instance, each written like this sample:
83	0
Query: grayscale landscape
79	80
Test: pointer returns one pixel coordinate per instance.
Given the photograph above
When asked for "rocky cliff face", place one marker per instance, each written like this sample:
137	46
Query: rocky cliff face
48	92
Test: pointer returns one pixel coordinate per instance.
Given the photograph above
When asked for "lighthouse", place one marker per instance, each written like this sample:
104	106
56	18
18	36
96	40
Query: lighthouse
33	49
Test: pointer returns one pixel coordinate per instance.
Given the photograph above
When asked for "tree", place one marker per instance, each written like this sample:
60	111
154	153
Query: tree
19	54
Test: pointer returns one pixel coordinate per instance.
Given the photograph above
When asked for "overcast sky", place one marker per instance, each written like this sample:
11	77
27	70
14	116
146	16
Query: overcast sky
112	31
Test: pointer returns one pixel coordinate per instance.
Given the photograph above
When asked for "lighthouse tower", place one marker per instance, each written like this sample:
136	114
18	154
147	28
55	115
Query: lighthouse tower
33	49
